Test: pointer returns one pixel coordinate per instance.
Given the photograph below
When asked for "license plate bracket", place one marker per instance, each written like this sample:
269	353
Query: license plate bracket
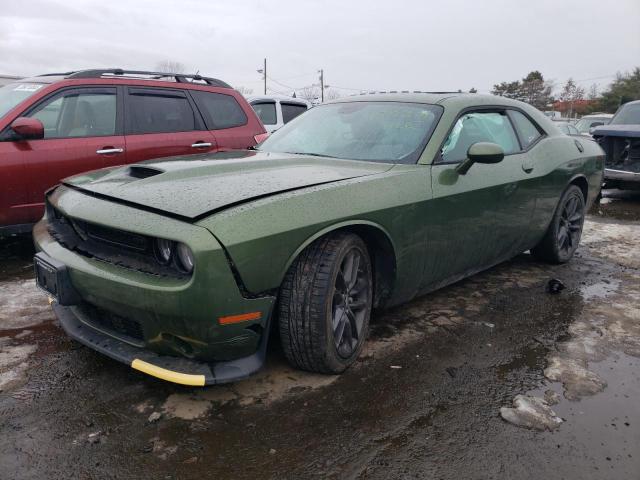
53	277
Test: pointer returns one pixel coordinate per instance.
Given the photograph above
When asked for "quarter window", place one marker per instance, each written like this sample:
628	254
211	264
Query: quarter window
220	111
151	112
527	131
291	111
476	127
266	112
78	114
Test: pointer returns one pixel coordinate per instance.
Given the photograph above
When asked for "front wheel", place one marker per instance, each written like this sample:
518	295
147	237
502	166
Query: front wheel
563	235
325	304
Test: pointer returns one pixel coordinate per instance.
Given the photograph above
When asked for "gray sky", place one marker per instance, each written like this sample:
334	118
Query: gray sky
401	44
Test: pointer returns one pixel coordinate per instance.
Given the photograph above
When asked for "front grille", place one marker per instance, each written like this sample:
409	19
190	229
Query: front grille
112	323
110	235
117	247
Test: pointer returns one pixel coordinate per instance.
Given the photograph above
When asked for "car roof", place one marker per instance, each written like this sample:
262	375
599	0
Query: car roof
119	74
597	115
280	98
449	98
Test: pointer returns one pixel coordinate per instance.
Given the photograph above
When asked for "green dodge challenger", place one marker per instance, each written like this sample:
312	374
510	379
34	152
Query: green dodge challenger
185	267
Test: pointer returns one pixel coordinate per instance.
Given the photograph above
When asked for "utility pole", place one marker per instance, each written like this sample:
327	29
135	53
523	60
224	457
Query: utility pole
321	72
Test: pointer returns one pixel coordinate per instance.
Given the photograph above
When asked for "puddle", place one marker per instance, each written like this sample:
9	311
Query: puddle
273	383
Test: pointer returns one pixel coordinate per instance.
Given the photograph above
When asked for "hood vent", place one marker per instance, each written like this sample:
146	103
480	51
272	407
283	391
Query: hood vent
142	171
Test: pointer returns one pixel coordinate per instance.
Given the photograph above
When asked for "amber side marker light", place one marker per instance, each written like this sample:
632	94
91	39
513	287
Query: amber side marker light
244	317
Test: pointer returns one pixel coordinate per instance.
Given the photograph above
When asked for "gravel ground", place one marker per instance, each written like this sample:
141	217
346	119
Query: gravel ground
492	377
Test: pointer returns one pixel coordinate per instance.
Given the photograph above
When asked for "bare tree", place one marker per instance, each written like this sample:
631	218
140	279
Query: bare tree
244	90
169	66
593	92
331	94
570	94
310	94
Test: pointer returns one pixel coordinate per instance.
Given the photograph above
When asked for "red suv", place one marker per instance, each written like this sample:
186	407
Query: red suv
57	125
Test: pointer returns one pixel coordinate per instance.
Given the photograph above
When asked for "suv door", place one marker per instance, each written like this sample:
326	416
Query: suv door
291	110
268	114
483	215
162	122
82	131
223	114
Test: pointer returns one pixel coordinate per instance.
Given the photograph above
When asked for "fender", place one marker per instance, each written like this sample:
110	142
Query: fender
333	228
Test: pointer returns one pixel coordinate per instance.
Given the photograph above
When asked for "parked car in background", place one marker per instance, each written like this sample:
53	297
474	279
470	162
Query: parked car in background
620	140
57	125
180	268
588	122
566	127
277	110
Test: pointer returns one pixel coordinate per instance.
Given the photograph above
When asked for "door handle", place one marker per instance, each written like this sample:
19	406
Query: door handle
527	168
109	150
201	145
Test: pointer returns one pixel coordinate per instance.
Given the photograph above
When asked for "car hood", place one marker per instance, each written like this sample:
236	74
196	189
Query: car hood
195	186
617	131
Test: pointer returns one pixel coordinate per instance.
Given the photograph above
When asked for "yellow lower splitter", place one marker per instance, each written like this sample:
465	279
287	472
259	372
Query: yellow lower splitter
168	375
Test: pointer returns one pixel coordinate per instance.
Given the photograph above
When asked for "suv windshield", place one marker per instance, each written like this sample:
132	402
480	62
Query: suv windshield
391	132
628	114
12	94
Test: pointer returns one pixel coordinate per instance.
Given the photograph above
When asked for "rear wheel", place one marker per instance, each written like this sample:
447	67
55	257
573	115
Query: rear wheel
325	304
563	235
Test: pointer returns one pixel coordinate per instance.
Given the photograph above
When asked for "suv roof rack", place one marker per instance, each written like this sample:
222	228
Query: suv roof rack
179	77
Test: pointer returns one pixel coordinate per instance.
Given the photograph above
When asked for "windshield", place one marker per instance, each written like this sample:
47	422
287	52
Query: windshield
628	114
374	131
12	94
585	124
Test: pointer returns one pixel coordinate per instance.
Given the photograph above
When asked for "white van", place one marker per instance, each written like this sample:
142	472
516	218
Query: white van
276	110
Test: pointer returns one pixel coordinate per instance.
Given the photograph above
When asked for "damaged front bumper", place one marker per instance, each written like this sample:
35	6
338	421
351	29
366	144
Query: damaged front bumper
621	144
179	370
172	328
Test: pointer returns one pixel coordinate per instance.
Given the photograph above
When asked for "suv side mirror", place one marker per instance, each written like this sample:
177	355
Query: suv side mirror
481	152
28	128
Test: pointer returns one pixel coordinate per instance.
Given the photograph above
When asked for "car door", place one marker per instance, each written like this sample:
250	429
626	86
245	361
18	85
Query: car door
82	131
268	114
163	122
291	110
225	117
479	218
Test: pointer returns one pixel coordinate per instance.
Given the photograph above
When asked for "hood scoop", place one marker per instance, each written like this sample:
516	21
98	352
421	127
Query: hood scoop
143	171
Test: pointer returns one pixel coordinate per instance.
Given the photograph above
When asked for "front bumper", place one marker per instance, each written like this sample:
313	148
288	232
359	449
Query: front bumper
621	178
173	369
173	319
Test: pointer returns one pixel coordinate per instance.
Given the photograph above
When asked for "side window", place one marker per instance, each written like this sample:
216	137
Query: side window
159	112
220	111
479	127
266	112
527	131
78	114
573	130
291	111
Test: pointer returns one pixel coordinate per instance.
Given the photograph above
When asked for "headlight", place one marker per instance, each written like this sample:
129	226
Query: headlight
163	250
185	258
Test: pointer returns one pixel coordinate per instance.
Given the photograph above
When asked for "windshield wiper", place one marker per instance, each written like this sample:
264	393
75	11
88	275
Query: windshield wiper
311	154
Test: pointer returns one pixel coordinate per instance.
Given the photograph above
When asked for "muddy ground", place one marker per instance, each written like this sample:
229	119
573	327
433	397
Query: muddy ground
427	400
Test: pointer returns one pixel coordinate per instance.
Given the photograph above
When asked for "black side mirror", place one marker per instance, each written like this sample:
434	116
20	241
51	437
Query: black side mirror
481	152
593	127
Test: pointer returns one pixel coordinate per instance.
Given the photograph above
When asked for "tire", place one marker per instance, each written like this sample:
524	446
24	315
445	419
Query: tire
563	235
323	309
